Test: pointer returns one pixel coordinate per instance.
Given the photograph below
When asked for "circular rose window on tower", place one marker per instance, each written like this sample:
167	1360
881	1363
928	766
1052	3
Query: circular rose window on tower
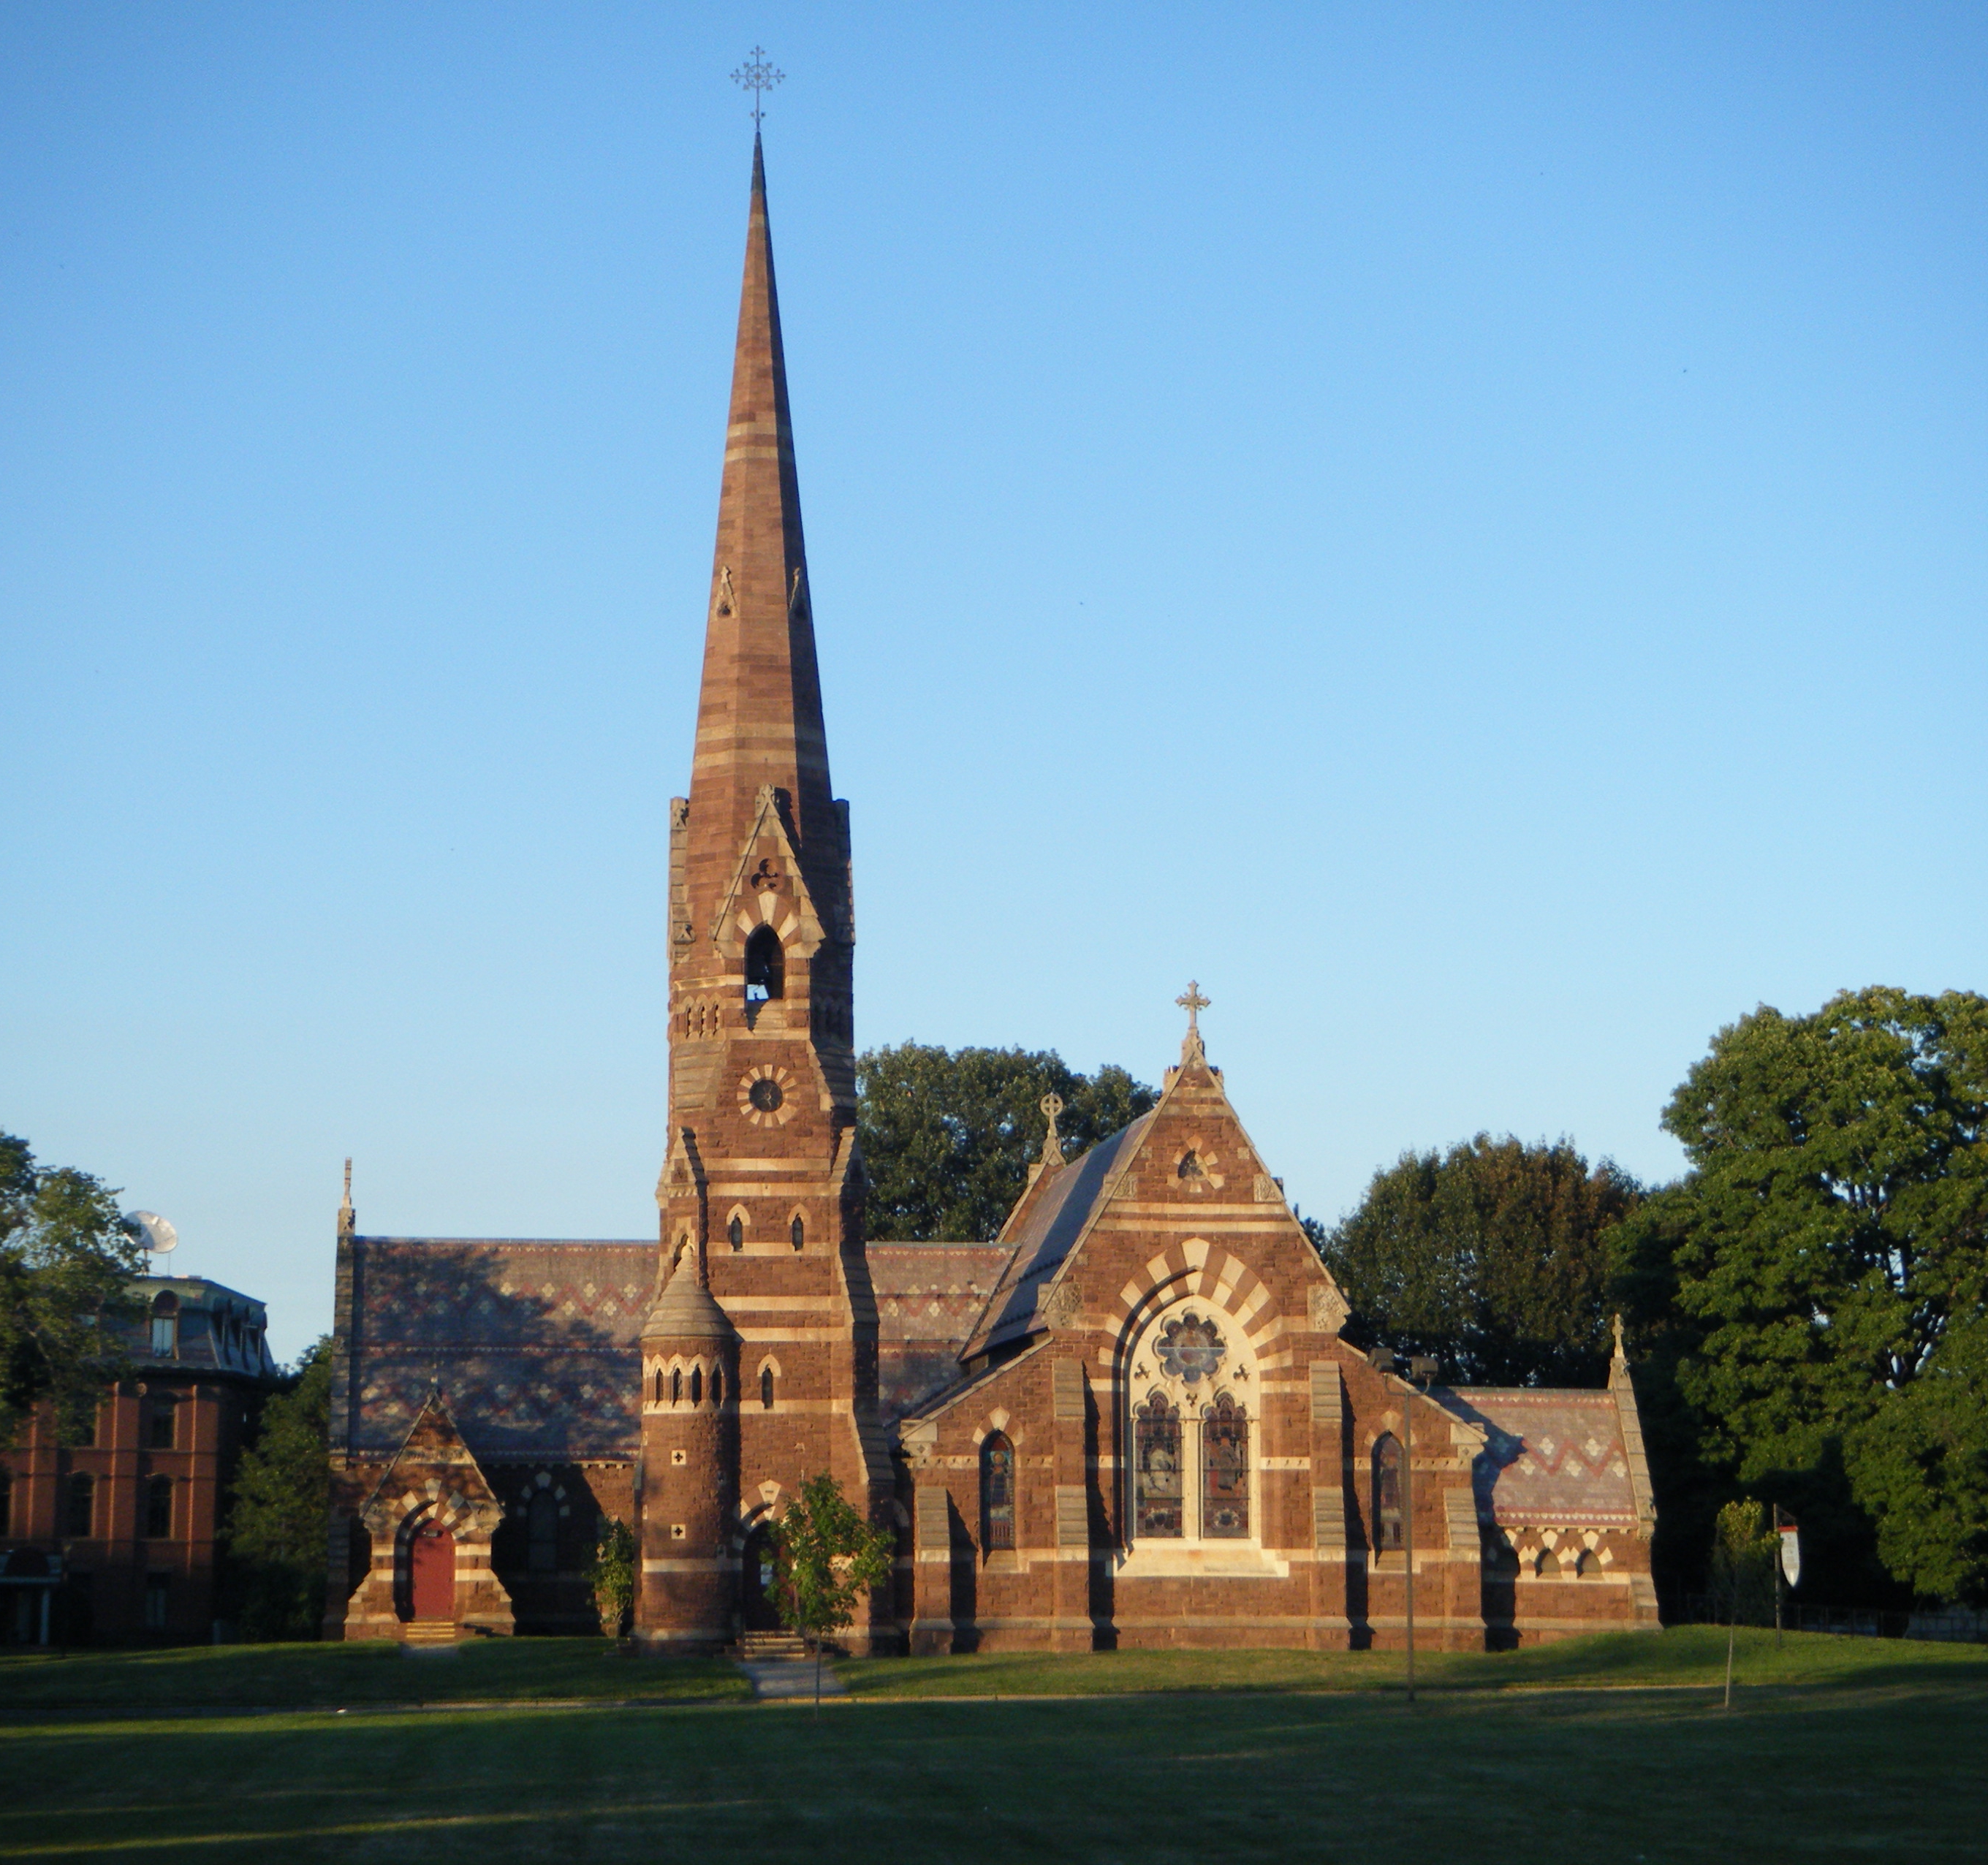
766	1095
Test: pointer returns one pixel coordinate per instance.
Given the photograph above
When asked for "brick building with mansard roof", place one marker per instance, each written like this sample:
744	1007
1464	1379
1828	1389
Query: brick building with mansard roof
113	1538
1128	1420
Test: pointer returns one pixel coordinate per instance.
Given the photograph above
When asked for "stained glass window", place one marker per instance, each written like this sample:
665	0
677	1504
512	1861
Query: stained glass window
1387	1492
997	1493
1156	1450
1224	1471
1189	1348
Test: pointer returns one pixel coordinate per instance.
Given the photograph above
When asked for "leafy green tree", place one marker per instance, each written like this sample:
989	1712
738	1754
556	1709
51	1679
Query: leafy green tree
611	1574
67	1259
826	1557
276	1522
1817	1283
947	1135
1493	1257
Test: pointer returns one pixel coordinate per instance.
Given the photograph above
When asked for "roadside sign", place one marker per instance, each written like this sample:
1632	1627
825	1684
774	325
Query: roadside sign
1791	1552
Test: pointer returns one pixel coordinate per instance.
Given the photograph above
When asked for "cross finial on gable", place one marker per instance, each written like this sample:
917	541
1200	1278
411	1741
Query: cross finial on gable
1052	1105
1193	1003
1621	1351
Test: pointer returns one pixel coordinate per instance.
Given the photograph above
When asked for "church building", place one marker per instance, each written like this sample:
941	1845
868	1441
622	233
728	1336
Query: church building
1129	1419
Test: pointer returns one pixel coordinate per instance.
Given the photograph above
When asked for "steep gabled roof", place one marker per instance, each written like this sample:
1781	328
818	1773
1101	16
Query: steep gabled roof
1064	1203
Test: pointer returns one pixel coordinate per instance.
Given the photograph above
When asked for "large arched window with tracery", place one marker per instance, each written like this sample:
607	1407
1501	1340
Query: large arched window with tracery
1386	1491
997	1493
1156	1464
1224	1470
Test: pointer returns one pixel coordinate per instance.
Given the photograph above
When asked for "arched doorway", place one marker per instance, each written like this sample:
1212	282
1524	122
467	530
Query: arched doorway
432	1572
755	1580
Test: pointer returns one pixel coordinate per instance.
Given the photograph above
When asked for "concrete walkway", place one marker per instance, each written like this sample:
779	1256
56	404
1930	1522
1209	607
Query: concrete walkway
785	1678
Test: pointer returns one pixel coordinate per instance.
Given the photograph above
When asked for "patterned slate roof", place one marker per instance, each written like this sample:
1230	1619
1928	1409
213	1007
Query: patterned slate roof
928	1297
538	1343
1550	1456
1052	1227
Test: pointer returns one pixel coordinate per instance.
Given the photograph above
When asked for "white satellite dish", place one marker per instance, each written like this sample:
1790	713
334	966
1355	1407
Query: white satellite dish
157	1232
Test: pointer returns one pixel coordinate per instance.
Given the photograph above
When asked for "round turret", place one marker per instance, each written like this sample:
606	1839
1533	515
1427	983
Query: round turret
690	1396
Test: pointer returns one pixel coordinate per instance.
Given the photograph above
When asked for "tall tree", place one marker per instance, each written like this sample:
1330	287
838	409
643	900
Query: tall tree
1493	1257
948	1134
1819	1279
67	1259
276	1523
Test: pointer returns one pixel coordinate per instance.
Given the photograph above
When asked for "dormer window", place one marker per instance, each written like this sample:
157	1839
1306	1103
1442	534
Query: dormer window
765	966
166	1325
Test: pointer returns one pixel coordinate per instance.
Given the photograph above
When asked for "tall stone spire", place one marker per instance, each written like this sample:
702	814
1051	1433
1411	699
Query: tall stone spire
764	1290
759	715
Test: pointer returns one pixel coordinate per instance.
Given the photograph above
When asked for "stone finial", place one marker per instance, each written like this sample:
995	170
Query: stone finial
346	1216
1621	1351
1051	1104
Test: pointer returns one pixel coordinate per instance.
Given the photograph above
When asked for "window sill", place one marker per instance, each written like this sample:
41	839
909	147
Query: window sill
1160	1560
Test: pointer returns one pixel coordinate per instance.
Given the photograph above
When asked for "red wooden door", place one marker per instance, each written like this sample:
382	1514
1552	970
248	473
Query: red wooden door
431	1578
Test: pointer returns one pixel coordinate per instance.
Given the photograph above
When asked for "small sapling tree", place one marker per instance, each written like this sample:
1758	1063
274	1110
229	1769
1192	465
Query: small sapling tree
826	1557
1744	1549
611	1574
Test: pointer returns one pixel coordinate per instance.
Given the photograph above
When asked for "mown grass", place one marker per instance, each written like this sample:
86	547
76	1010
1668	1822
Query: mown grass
1850	1770
336	1675
1685	1655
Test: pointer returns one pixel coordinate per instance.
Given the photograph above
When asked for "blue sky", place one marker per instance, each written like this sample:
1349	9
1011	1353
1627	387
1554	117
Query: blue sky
1460	528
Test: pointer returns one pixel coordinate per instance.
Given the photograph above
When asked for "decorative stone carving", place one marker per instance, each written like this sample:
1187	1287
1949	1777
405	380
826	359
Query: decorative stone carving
1328	1309
1063	1303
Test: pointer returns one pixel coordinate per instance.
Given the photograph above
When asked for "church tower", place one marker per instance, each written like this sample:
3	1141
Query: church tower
761	1192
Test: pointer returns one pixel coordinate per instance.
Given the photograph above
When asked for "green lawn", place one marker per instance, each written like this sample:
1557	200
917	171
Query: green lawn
1688	1655
258	1677
1836	1749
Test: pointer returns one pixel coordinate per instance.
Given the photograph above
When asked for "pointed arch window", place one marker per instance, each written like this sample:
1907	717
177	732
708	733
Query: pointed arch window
676	1385
1387	1492
1224	1471
1156	1450
797	1231
697	1385
766	1387
765	966
718	1386
659	1385
734	1232
997	1493
541	1533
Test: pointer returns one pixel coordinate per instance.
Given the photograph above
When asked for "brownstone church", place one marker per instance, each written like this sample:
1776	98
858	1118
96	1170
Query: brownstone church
1128	1420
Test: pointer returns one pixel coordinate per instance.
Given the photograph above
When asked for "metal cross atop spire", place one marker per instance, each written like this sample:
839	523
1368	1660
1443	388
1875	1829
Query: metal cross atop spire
757	76
1193	1003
